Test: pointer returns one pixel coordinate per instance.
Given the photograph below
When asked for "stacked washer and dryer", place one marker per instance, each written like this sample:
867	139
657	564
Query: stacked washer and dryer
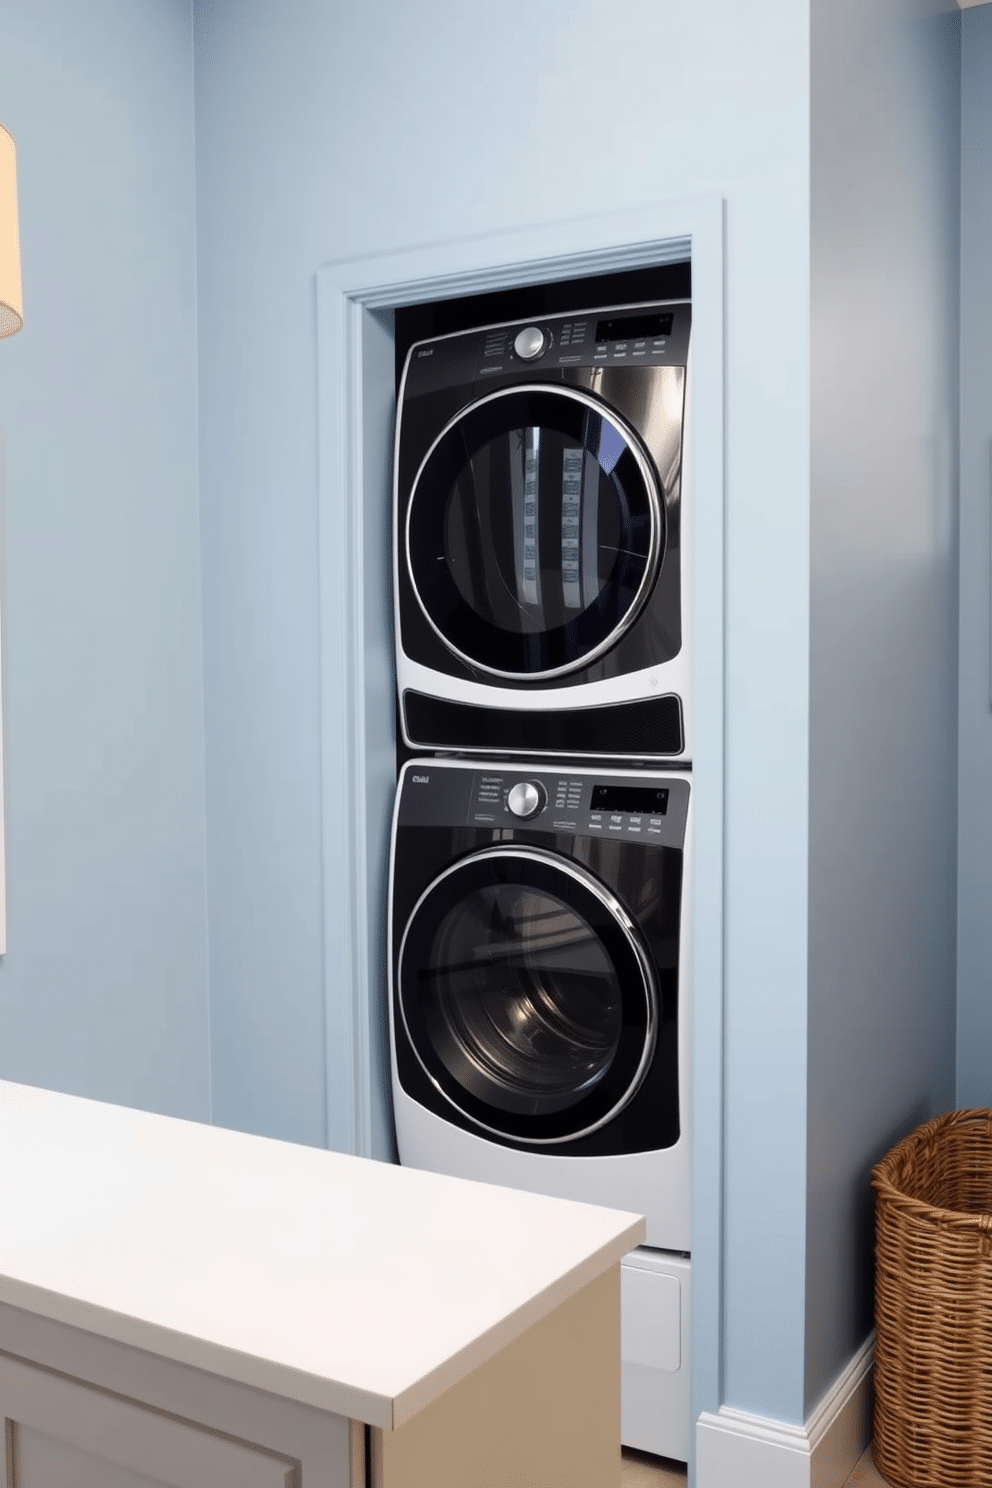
540	870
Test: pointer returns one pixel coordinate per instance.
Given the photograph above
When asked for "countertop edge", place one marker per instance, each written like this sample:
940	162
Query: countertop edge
370	1407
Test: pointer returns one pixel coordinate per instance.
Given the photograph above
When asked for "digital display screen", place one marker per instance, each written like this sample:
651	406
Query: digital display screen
643	800
635	327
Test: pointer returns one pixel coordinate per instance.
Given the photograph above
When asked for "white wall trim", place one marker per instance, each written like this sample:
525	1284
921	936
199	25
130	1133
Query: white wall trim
737	1450
354	430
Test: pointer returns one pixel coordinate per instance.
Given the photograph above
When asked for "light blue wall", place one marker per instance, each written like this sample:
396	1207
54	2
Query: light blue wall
883	624
327	131
103	990
974	1041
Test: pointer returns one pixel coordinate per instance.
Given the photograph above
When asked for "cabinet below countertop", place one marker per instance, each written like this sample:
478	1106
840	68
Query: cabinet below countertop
181	1304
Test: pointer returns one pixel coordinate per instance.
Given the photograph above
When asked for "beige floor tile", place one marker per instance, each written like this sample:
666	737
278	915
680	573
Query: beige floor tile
866	1474
641	1470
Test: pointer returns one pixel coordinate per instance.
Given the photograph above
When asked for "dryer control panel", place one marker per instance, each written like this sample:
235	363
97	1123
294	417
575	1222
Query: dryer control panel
629	806
621	336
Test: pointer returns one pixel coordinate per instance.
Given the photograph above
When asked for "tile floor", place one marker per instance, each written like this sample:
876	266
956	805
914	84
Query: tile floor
866	1474
643	1471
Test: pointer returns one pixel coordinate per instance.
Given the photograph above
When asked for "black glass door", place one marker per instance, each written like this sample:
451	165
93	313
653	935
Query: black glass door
535	532
527	995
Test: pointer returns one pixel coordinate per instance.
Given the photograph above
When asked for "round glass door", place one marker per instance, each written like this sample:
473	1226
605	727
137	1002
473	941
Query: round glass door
535	532
527	995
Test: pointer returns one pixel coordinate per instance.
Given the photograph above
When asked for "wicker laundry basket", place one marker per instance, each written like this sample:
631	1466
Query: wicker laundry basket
933	1305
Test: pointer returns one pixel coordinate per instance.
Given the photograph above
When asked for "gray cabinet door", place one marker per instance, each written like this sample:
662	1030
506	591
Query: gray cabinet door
61	1433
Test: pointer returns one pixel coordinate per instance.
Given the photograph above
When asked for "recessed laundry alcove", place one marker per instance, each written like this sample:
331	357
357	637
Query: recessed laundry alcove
356	354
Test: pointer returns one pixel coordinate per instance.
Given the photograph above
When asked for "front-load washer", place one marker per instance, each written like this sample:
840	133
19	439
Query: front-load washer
541	531
538	990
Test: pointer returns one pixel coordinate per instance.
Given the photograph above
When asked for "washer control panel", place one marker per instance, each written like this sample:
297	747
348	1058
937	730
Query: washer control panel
628	806
598	806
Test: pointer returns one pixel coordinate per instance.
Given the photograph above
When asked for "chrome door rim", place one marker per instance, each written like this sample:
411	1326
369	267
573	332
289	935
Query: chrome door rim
631	934
654	547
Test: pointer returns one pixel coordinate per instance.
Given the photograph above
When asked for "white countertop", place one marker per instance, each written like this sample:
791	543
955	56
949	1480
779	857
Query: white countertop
357	1286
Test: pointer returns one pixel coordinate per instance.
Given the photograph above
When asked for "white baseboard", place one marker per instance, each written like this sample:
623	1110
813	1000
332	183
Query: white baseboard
738	1450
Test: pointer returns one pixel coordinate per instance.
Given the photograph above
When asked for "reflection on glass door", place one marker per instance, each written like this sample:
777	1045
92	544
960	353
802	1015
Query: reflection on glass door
527	994
535	532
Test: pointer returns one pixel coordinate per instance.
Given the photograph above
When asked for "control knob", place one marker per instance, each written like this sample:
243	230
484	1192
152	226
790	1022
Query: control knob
529	343
526	799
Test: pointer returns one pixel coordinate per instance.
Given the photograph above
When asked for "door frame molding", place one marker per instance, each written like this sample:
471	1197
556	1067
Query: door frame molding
355	299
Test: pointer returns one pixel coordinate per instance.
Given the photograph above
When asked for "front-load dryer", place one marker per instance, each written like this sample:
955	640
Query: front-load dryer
539	1029
542	526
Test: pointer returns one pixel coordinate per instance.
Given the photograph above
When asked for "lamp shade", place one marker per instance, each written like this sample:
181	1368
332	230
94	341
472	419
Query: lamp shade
11	318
